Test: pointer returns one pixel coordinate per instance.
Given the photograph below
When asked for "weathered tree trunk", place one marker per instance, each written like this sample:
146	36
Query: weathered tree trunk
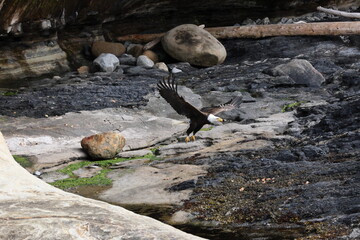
271	30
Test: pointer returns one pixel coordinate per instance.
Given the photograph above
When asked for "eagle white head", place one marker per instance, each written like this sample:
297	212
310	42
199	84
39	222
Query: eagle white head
214	119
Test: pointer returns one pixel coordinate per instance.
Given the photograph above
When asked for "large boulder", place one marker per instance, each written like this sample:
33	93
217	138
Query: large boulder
103	145
100	47
192	44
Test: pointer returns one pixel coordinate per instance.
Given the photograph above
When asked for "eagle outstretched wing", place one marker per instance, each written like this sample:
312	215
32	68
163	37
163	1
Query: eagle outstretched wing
232	104
168	90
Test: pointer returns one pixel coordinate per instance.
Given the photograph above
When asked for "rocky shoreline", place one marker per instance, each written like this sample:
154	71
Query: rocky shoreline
284	166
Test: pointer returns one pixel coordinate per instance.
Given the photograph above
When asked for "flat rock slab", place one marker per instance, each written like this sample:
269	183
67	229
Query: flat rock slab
151	184
30	207
55	139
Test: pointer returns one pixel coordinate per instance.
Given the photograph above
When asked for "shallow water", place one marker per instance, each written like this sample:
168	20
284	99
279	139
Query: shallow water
164	212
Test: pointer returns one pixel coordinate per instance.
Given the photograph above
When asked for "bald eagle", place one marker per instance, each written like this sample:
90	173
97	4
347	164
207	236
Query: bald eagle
198	118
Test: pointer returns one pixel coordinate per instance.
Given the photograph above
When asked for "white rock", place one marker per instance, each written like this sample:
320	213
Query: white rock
107	62
162	66
176	70
144	61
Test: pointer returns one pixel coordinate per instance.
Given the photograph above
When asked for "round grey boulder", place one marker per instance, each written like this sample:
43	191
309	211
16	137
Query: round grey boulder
192	44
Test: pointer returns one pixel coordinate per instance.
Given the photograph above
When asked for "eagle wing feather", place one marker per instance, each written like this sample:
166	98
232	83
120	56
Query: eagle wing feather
232	104
168	90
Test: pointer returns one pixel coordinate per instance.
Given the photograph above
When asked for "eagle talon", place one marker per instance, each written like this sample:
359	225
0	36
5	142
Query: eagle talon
187	139
192	138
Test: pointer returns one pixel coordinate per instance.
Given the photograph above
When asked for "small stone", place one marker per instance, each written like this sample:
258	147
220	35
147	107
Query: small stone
266	21
176	70
101	47
127	59
181	217
135	49
150	54
107	62
83	70
248	21
45	24
162	66
136	70
144	61
103	145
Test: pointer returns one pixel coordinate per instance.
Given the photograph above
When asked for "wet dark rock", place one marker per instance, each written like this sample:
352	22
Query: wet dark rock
183	185
287	156
127	59
98	93
313	152
350	78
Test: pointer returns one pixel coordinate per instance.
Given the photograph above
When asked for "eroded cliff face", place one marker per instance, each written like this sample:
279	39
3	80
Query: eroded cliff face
56	32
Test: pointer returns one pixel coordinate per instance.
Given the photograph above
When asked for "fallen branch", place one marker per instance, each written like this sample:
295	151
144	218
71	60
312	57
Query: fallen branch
260	31
339	13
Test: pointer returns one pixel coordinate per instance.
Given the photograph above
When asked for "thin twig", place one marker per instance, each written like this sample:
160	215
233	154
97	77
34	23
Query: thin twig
339	13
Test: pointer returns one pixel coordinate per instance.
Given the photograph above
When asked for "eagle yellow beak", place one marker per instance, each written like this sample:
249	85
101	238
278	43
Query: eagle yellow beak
220	119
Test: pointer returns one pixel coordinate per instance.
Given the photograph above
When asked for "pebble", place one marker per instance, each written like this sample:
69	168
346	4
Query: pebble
176	70
144	61
162	66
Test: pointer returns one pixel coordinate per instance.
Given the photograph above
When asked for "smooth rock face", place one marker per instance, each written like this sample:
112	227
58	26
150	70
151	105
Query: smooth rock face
103	145
100	47
302	72
150	184
39	59
192	44
107	62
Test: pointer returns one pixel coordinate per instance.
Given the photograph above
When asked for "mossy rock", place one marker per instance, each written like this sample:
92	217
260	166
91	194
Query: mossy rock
23	161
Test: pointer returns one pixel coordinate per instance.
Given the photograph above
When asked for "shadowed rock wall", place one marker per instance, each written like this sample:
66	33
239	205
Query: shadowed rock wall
73	24
134	16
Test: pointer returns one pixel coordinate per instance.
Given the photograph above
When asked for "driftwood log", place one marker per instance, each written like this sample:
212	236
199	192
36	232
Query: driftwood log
260	31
